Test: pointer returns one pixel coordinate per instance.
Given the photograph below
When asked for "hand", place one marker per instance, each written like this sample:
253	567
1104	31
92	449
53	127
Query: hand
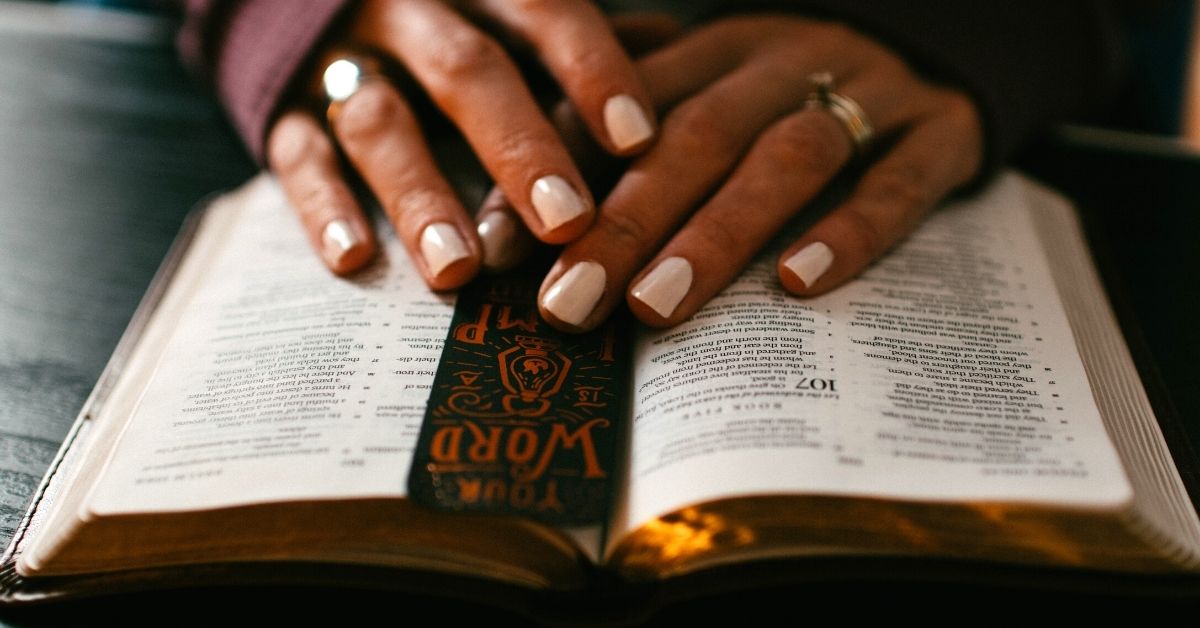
471	79
739	154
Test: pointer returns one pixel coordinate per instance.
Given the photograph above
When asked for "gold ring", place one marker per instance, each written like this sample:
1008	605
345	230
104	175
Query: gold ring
852	116
343	77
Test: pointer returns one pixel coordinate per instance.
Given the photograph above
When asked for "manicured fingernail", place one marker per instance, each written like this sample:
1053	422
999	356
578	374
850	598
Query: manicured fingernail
441	246
626	122
337	239
576	293
810	262
502	248
556	202
665	286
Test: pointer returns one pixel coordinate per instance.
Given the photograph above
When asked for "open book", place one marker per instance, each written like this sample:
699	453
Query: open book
969	398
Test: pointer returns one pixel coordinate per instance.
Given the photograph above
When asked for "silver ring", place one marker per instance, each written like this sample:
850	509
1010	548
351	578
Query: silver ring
343	77
852	116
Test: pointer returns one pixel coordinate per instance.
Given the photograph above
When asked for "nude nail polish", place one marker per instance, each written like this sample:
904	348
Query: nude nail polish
337	239
503	247
441	246
573	297
665	286
626	122
810	262
556	202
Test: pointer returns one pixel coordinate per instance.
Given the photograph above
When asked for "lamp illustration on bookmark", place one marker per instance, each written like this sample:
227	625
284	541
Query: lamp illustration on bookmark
533	371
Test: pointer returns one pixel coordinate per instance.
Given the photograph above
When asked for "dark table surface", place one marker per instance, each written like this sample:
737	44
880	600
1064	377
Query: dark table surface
105	144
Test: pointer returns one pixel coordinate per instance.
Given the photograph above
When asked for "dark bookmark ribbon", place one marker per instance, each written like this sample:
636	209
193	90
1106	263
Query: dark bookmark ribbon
522	419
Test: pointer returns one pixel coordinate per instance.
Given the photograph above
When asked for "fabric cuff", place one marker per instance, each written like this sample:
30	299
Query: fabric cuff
257	48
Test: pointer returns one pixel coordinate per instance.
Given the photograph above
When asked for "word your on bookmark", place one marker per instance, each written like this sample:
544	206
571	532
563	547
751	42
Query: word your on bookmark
522	419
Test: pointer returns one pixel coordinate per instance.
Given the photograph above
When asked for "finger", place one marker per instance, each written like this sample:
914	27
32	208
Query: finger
305	163
601	170
700	143
506	242
788	165
575	42
648	30
381	138
480	89
936	156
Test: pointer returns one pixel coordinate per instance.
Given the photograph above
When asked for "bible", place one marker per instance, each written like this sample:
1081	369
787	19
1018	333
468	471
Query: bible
968	401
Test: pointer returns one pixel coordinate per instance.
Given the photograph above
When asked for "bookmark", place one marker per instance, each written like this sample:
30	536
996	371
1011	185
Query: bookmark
522	419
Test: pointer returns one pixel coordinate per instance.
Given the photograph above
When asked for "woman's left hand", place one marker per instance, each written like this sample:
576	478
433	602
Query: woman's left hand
740	153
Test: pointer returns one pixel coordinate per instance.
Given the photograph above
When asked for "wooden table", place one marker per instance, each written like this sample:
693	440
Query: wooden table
104	146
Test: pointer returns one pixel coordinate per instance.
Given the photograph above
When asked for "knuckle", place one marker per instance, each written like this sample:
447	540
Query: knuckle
320	200
806	144
719	238
465	54
863	234
904	186
294	141
407	207
584	59
368	113
623	231
698	127
518	149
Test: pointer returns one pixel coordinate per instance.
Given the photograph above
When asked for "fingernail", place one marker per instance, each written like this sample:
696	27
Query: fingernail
576	293
337	239
665	286
810	262
626	121
556	202
441	246
502	249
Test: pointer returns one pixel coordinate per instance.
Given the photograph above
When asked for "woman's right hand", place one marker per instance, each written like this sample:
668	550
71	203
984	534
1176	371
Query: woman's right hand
475	83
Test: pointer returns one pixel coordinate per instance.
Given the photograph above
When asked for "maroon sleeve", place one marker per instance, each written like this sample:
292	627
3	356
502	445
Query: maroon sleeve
251	51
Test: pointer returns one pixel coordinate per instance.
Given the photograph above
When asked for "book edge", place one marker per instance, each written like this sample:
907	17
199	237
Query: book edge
129	340
1090	310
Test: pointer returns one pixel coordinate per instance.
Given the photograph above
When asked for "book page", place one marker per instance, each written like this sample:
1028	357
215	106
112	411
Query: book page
947	371
281	382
